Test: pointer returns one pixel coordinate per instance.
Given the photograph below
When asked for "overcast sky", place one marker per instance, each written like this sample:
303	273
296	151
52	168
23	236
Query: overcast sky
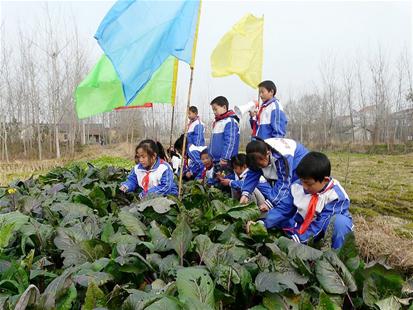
297	36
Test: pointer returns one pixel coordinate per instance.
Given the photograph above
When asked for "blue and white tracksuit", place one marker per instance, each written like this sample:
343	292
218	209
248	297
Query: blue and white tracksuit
195	166
196	131
237	182
224	142
332	204
272	120
281	170
161	179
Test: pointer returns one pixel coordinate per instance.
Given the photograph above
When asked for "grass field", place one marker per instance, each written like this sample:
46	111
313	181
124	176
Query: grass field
380	188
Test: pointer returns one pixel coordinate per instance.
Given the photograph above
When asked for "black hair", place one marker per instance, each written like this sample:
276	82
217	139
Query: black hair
269	85
152	148
314	165
239	160
193	109
259	146
204	152
221	101
179	144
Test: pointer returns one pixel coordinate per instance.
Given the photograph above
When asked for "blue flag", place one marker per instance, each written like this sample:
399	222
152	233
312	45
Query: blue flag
137	36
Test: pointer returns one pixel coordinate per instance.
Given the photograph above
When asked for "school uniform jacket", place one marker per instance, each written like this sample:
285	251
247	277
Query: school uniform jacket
281	170
331	202
237	182
161	179
272	122
224	142
196	131
195	164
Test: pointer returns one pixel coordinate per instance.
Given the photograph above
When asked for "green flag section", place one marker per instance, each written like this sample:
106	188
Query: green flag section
101	90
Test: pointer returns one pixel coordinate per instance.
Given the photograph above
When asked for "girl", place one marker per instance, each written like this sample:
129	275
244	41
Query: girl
276	159
152	174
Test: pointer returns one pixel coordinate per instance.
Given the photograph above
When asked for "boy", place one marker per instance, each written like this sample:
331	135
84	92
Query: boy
270	121
224	142
318	199
235	181
195	166
207	172
196	129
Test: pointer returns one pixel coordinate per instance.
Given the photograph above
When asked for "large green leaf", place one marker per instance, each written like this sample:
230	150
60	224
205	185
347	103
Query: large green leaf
132	224
380	283
329	279
203	246
56	289
160	205
6	232
66	301
165	303
95	297
274	282
181	238
160	237
294	249
195	288
29	297
326	303
245	213
341	269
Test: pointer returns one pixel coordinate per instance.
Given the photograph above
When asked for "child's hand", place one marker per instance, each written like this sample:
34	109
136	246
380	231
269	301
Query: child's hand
224	182
249	223
264	207
123	188
244	200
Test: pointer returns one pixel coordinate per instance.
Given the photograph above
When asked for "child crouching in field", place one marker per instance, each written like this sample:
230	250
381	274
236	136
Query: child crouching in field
318	201
207	175
236	180
152	174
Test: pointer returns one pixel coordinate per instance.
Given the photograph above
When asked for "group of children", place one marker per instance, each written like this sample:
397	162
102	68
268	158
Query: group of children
291	186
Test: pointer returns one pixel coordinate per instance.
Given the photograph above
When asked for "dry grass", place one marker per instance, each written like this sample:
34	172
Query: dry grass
377	239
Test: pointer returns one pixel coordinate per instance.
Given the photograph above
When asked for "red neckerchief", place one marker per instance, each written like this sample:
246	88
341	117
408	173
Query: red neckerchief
203	175
145	179
191	121
257	122
223	116
311	209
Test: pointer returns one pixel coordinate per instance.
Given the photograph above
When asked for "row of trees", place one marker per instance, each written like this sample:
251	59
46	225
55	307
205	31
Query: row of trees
39	72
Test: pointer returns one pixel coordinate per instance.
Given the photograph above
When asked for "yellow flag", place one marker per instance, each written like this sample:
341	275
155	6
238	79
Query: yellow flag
240	51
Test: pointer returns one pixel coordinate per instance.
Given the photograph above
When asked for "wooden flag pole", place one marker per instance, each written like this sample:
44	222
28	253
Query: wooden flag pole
192	66
172	124
181	172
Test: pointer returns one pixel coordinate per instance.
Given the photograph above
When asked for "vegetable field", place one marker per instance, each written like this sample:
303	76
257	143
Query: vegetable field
70	239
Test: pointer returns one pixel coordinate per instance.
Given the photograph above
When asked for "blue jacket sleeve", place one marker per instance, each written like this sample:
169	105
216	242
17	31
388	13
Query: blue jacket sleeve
131	182
320	223
250	182
278	123
164	187
230	139
198	135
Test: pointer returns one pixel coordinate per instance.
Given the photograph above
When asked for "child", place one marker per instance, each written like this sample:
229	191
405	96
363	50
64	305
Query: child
207	175
239	165
225	133
196	129
152	174
195	166
175	159
318	199
270	121
276	159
